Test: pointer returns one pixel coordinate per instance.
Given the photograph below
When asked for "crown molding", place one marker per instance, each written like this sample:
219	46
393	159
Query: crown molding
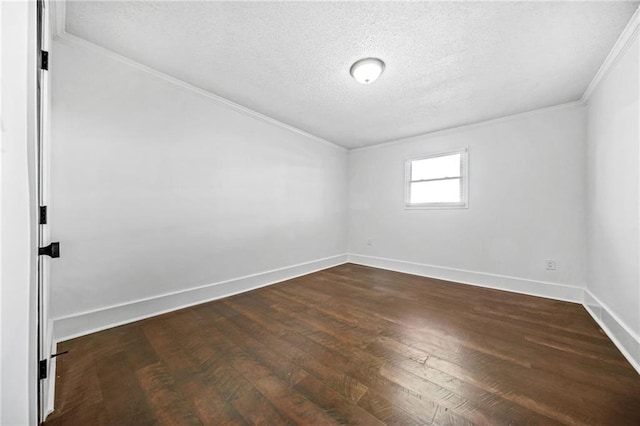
75	41
470	126
57	14
627	37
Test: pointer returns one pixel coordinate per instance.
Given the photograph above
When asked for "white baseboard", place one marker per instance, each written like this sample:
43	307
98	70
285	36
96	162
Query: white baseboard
84	323
549	290
620	334
80	324
51	381
48	383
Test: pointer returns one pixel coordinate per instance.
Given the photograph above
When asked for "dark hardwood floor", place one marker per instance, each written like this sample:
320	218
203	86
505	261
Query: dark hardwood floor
352	345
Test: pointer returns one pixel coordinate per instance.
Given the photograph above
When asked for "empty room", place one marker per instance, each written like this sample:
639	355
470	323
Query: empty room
321	212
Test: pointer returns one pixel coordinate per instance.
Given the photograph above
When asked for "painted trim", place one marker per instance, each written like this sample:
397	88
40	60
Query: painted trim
471	126
464	181
77	42
627	37
564	292
51	381
83	323
625	339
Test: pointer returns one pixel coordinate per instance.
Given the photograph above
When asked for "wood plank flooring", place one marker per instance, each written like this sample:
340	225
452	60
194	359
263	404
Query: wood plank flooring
352	345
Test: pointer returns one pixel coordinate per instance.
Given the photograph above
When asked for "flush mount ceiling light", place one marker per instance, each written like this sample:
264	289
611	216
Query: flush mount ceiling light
367	70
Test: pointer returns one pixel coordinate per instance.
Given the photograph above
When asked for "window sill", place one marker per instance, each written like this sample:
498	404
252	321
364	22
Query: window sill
435	206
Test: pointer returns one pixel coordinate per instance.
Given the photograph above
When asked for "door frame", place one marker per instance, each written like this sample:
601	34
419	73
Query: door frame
44	327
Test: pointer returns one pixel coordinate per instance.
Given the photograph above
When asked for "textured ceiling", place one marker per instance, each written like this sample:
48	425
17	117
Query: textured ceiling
447	63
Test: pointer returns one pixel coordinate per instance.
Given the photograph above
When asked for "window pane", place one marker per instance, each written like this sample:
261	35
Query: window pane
436	167
438	191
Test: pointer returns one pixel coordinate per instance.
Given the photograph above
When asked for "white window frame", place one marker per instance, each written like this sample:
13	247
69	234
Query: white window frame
464	181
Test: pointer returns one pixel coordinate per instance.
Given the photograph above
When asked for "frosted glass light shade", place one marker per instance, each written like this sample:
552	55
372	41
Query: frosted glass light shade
367	70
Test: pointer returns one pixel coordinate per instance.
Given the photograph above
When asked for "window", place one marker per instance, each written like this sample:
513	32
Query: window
437	181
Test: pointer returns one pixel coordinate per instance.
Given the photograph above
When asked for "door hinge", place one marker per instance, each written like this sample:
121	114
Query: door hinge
52	250
42	369
44	60
43	215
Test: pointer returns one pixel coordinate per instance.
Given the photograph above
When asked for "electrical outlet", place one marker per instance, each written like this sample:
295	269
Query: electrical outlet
550	264
369	242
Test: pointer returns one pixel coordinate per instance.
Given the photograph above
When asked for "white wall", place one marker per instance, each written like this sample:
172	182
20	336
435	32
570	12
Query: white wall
18	358
157	189
613	199
526	204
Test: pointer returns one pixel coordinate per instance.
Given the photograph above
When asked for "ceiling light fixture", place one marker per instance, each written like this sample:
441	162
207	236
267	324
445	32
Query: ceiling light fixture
367	70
